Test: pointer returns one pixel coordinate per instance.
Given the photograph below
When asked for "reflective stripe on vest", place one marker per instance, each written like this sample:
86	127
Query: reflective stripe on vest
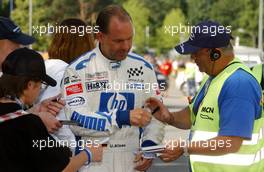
232	159
250	157
205	135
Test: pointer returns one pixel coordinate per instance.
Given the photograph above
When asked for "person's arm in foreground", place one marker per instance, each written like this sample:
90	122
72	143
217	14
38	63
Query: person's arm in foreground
79	160
218	145
47	110
180	119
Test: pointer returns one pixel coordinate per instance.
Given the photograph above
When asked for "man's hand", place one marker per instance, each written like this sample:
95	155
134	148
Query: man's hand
52	124
52	105
162	114
172	152
97	153
142	164
140	117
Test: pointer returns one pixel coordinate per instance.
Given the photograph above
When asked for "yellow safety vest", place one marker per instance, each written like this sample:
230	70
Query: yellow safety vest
250	157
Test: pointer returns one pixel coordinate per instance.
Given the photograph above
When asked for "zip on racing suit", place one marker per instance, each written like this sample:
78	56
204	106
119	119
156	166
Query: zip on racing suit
99	94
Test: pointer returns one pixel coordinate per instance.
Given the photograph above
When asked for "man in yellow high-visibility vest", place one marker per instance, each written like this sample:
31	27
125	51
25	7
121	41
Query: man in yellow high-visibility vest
225	116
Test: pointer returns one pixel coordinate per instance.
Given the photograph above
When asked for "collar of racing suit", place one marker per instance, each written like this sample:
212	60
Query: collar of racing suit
114	64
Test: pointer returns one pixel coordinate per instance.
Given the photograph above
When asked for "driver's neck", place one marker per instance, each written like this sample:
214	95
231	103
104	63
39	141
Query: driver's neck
104	54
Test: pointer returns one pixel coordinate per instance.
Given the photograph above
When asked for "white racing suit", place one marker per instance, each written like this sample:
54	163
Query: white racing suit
99	94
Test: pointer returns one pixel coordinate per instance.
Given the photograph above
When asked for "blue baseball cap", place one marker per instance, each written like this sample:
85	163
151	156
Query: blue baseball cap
9	30
207	34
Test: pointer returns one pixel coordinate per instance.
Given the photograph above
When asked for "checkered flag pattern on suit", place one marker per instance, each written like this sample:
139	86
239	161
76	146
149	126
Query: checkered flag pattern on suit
135	71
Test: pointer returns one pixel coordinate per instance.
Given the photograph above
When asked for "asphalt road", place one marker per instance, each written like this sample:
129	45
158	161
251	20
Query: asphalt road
180	165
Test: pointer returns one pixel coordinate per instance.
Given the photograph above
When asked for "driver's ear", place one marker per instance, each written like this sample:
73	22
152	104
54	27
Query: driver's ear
99	36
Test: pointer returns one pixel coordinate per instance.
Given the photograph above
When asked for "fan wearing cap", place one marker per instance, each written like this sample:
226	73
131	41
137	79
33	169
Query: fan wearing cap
225	116
12	38
21	132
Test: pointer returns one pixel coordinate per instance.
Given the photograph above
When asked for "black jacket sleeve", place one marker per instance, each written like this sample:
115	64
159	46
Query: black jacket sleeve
48	154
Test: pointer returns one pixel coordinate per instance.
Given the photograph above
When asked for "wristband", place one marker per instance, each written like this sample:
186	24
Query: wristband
89	156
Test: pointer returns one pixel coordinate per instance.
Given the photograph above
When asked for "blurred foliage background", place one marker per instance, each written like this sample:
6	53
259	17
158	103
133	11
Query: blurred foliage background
150	18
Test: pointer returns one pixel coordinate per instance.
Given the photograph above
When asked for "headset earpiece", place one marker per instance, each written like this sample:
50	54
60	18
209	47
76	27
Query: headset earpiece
215	54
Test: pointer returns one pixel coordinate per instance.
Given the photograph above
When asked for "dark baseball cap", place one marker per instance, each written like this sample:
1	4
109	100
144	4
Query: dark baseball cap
27	62
9	30
207	34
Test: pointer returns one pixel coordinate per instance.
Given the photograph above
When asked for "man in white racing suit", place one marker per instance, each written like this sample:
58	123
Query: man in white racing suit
105	90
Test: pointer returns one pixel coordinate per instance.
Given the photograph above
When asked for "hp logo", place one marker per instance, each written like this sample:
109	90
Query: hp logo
118	101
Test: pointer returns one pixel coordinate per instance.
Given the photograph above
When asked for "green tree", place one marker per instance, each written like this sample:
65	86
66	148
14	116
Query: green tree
5	8
199	10
242	15
140	15
40	10
53	12
171	32
227	16
90	8
160	8
248	22
61	9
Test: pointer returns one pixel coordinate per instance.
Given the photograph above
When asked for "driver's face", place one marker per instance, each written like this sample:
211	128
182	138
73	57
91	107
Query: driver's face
117	42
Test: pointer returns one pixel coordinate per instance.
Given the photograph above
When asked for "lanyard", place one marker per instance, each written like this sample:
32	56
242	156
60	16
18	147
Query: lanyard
17	100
